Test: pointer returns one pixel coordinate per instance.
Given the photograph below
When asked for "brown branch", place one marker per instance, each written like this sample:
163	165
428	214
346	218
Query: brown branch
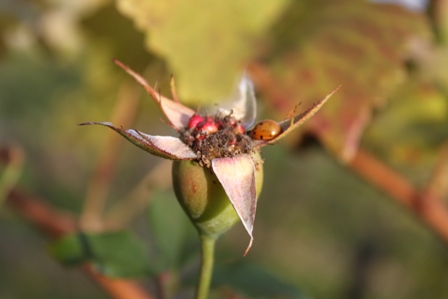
426	205
118	288
55	224
161	283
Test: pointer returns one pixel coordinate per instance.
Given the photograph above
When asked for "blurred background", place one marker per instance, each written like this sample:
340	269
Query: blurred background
327	225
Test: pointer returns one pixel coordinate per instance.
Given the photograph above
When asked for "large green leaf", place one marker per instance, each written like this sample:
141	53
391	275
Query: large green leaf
114	254
356	44
206	42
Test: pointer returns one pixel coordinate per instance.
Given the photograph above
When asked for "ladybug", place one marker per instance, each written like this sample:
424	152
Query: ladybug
265	130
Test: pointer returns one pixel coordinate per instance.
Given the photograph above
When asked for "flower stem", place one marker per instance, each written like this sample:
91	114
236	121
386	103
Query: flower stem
207	259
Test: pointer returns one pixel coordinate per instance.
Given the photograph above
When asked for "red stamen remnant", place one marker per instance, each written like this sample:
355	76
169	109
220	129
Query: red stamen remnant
195	120
216	136
209	126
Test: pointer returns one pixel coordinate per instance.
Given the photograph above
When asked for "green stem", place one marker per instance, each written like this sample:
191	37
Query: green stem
207	259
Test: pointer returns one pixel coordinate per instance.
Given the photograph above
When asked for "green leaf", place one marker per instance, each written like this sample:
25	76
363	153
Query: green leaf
438	16
206	42
413	128
119	254
114	254
171	231
71	250
254	281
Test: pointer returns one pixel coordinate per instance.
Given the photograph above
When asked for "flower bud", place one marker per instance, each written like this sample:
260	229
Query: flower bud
203	198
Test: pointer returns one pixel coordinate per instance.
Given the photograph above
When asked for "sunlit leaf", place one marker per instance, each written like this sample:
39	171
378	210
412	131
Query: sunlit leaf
411	129
206	43
356	44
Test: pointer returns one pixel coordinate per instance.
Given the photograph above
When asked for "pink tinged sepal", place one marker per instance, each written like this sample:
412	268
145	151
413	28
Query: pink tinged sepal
177	114
167	147
237	177
294	121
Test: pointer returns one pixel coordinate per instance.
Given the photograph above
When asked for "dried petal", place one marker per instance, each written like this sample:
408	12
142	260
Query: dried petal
167	147
177	114
243	104
237	176
289	124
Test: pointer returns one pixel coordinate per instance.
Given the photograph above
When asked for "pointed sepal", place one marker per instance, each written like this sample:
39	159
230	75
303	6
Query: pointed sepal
167	147
294	121
177	114
237	177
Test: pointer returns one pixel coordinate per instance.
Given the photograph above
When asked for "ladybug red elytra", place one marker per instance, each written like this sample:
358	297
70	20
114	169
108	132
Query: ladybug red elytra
265	130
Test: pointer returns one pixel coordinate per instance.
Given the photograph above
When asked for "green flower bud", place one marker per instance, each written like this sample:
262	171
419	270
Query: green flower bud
203	198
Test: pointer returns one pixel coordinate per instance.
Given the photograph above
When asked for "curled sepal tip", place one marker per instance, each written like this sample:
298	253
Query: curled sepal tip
295	120
177	114
163	146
